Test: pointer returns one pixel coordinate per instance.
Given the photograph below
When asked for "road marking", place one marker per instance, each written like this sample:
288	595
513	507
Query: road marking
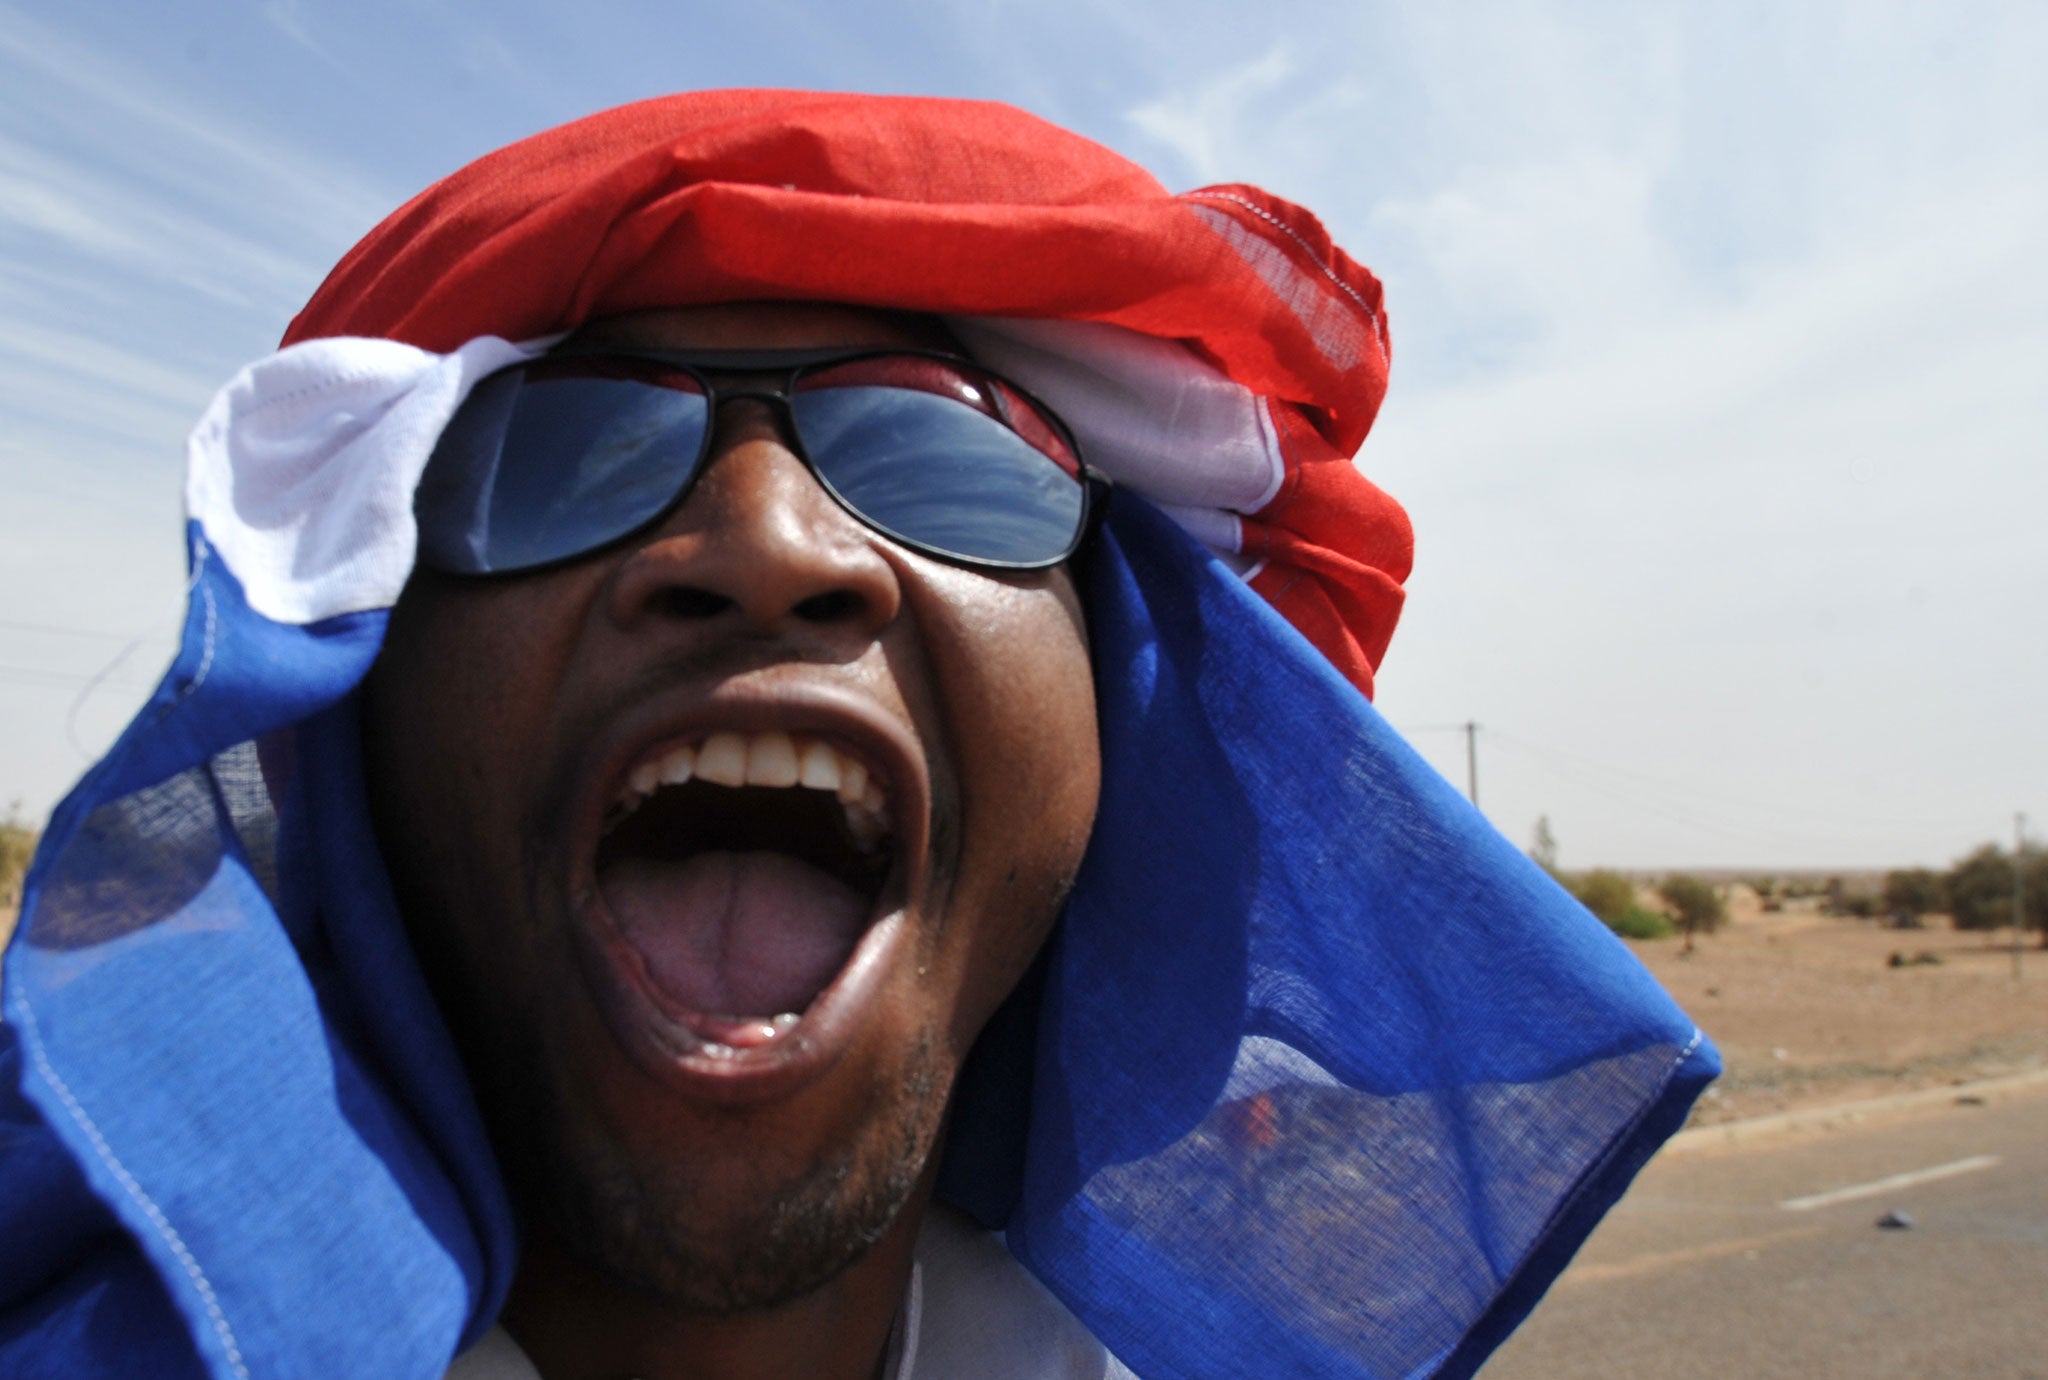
1606	1272
1878	1186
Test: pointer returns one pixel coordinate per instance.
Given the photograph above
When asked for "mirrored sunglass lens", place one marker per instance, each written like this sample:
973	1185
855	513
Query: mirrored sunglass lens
535	470
940	473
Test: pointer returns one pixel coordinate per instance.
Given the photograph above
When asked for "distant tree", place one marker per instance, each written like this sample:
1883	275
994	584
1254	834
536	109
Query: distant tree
2036	872
1914	891
1544	848
1980	890
1696	903
17	845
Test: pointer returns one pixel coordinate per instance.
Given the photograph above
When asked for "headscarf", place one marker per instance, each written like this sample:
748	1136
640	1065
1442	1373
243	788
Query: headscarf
1318	1076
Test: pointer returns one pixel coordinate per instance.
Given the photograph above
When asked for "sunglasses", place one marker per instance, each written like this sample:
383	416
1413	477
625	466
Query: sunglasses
563	455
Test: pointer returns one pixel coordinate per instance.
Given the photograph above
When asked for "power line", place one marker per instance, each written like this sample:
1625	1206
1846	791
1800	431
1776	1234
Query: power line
78	701
1470	729
1570	763
1674	801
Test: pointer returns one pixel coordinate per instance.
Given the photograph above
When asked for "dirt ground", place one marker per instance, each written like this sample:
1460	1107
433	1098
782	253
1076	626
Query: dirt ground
1807	1009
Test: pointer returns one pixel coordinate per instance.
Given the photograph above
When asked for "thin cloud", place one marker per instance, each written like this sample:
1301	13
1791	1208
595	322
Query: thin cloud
39	357
1205	126
1550	255
101	215
288	17
231	158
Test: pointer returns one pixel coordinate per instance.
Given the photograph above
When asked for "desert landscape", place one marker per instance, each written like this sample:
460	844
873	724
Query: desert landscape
1811	1009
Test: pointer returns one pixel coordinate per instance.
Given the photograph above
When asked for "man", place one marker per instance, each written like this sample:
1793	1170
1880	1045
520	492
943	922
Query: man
713	1032
795	820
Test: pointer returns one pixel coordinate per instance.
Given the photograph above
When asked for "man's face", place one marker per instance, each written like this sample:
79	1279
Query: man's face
614	963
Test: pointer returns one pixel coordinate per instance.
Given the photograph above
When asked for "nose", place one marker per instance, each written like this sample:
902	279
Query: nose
758	542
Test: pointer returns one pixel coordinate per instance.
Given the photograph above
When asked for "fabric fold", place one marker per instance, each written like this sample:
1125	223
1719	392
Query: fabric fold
1329	1077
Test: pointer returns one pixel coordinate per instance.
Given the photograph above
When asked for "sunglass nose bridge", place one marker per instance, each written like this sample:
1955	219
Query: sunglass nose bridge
759	538
770	403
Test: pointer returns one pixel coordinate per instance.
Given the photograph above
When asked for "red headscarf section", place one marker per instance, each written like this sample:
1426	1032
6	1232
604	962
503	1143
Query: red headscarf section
956	208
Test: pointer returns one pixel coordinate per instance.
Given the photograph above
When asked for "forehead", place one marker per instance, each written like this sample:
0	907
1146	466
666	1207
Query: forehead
768	326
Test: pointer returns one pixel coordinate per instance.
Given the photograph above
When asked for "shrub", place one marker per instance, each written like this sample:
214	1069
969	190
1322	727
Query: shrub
1612	897
1608	895
1637	923
17	845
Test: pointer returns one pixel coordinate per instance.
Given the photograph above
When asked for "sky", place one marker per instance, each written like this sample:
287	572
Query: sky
1720	337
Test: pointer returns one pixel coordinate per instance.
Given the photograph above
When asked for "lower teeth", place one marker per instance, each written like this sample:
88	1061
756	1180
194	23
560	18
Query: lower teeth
745	1034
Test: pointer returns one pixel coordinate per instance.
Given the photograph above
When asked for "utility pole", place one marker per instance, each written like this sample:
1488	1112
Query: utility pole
2019	887
1472	761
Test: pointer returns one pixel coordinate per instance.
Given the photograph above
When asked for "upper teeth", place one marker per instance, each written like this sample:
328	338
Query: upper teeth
774	758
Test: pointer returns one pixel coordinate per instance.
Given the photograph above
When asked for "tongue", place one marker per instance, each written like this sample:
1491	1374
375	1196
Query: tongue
736	934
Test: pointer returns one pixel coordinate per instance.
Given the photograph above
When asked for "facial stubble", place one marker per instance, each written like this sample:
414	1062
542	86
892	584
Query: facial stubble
752	1236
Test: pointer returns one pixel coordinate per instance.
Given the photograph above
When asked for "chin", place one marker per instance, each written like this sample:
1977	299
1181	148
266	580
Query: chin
720	1210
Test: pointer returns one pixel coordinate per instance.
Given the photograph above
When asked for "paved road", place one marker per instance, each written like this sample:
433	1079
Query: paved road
1703	1271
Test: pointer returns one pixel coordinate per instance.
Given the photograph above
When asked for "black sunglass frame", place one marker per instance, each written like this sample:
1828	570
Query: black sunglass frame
706	367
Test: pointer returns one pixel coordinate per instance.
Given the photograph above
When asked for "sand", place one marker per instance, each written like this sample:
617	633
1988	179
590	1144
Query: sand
1807	1010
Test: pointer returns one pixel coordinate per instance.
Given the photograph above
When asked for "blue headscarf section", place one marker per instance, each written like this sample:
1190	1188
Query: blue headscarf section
1320	1076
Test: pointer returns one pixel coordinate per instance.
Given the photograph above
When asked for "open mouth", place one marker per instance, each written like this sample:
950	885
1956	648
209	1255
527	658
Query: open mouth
742	870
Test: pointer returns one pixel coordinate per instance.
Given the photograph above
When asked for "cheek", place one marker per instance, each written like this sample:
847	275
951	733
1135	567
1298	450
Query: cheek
1017	699
430	714
1021	706
452	711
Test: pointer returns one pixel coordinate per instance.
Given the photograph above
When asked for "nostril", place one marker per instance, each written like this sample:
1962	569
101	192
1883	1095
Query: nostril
690	602
833	606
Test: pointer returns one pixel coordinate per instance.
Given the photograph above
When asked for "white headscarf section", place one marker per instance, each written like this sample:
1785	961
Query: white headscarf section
300	473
